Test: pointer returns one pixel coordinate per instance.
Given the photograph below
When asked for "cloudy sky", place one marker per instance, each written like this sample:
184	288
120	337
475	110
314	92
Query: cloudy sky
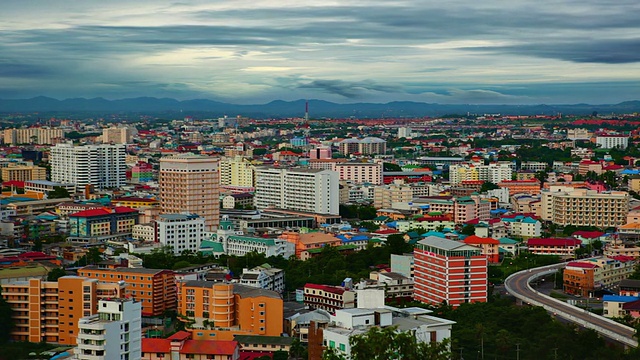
254	51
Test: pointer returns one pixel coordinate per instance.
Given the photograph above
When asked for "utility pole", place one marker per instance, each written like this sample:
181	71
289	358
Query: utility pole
517	351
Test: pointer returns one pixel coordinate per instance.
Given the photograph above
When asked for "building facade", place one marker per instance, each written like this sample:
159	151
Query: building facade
48	311
449	271
92	225
237	171
197	180
360	173
114	333
102	166
308	190
180	232
155	289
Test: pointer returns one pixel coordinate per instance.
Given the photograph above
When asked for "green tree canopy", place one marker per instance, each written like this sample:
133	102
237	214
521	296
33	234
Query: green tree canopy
55	274
58	193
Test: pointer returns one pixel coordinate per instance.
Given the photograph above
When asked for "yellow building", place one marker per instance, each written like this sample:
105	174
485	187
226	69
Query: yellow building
23	173
48	311
237	172
462	172
634	184
220	310
134	202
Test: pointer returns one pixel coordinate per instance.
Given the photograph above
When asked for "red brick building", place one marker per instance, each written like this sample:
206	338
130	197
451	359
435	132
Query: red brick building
450	271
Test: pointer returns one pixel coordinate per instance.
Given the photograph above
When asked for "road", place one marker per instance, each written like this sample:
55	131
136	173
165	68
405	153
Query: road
518	286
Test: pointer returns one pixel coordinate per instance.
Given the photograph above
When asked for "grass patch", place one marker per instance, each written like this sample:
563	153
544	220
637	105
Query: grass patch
557	295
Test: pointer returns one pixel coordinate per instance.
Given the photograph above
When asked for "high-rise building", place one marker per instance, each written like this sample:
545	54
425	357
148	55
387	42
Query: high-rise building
100	165
366	146
191	183
449	271
237	172
612	141
307	190
180	232
114	333
48	311
493	173
404	132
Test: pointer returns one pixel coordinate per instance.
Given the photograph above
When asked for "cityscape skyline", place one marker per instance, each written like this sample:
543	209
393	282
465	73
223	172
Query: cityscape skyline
366	51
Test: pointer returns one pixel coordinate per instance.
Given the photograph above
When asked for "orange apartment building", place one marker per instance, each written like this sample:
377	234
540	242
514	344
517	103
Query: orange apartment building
531	187
578	278
308	241
232	309
154	288
451	271
48	311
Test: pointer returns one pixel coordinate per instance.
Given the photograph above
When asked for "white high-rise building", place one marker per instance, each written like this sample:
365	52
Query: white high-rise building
114	333
612	141
404	132
180	231
308	190
100	165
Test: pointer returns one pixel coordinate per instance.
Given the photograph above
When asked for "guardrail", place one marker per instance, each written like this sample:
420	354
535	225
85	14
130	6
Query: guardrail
586	324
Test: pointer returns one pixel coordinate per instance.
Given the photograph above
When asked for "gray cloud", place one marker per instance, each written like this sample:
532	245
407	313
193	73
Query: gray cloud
351	90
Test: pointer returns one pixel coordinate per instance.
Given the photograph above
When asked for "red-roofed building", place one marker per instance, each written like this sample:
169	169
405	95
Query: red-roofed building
186	348
578	278
89	225
329	298
588	236
583	277
564	247
490	247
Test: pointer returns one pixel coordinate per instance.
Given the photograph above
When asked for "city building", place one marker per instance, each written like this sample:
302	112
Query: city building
181	346
521	226
142	172
449	271
360	173
48	311
198	181
180	232
238	171
305	241
154	288
114	333
404	132
264	277
98	225
612	141
366	146
36	135
565	247
23	173
581	207
102	166
234	309
229	241
321	152
119	135
584	277
328	298
308	190
531	187
348	323
45	186
493	172
490	247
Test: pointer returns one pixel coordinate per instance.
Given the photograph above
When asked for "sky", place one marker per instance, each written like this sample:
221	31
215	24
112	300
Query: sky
256	51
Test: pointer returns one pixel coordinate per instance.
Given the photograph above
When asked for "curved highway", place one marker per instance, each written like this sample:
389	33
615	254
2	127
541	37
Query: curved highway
519	286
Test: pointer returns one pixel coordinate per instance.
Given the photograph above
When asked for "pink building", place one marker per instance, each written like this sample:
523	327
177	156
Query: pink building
181	346
321	152
360	173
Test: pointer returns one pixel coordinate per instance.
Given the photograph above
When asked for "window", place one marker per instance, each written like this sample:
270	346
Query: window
332	344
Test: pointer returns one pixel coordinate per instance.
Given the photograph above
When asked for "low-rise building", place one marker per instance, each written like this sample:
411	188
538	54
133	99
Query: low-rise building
264	277
565	247
328	298
98	225
181	346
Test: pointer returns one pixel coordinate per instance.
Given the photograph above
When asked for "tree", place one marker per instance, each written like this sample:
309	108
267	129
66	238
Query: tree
6	320
397	245
391	167
55	274
94	256
370	226
181	264
487	185
389	343
58	192
468	229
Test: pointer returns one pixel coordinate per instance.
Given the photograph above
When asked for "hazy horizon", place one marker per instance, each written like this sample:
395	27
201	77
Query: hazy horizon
254	52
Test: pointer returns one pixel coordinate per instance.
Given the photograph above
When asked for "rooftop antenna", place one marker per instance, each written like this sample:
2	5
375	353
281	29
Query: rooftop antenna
306	112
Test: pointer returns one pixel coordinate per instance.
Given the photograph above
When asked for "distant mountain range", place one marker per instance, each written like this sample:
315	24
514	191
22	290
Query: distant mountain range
280	109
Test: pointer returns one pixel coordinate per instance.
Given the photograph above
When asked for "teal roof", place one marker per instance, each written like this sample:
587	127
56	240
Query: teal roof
213	246
507	241
434	233
381	218
268	242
